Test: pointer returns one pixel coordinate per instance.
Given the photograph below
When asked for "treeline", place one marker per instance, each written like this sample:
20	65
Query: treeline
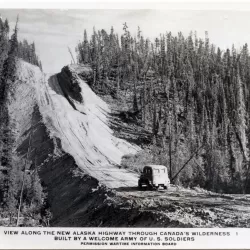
191	95
27	52
16	192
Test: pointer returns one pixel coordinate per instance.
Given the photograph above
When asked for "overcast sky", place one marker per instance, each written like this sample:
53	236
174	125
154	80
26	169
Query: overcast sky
54	30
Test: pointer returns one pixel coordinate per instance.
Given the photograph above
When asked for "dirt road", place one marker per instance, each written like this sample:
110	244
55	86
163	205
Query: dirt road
189	207
85	134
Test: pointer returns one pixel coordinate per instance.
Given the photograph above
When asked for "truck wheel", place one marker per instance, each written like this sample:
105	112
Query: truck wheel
139	185
165	187
148	185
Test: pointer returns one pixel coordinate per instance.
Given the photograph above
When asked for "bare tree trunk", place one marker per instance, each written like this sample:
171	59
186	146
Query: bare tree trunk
185	164
94	77
245	184
118	76
23	181
135	104
144	101
170	153
118	81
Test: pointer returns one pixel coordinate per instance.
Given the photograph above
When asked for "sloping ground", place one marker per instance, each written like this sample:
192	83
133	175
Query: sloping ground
69	188
57	129
74	150
84	132
24	99
176	207
190	207
65	185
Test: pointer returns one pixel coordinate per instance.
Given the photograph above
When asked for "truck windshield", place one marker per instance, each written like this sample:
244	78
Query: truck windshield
157	171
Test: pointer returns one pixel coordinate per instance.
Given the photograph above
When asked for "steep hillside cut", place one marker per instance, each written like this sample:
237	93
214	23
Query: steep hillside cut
82	126
68	139
62	127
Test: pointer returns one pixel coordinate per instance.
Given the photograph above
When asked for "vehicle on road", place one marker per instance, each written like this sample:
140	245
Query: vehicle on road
154	176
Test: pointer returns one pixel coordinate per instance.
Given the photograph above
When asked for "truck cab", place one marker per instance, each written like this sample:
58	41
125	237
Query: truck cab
154	176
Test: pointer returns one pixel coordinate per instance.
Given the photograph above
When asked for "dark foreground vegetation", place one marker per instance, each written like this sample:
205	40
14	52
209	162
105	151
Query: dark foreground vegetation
15	190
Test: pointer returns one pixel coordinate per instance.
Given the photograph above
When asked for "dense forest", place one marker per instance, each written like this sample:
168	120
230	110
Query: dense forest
27	52
15	190
189	94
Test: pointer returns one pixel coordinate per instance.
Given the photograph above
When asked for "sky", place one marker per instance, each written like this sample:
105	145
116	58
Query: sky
54	30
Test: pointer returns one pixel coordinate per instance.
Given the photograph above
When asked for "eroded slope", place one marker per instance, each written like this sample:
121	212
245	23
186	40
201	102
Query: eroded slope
75	151
84	132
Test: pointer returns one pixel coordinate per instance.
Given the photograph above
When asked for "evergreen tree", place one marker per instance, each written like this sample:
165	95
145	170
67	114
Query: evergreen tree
203	90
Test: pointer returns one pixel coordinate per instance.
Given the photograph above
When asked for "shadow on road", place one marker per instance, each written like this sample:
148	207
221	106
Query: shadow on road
136	189
127	189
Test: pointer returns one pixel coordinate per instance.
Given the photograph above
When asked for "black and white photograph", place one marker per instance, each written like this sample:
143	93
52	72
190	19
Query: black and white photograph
125	118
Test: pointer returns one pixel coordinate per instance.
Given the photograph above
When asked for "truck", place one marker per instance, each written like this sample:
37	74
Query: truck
154	176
